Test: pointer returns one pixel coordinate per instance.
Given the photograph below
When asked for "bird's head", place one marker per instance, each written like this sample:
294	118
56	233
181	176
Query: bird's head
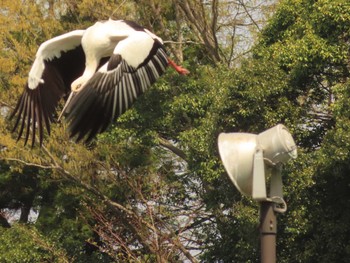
78	84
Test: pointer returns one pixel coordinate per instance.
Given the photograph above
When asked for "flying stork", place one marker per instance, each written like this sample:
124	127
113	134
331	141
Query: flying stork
100	72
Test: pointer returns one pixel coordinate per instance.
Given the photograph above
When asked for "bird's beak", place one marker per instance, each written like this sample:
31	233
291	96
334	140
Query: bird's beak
71	95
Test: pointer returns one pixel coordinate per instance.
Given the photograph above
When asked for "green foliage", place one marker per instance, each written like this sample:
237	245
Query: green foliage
308	41
25	244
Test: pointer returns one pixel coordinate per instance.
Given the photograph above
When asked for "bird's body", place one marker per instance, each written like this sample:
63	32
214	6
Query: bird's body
103	69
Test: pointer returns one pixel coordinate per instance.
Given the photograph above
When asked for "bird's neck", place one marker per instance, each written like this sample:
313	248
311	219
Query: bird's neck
91	65
88	73
90	69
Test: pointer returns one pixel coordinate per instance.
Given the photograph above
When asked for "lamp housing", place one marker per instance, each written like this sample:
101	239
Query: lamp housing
245	155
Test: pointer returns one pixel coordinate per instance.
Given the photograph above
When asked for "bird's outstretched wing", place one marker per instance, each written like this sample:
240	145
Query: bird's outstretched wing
58	62
137	62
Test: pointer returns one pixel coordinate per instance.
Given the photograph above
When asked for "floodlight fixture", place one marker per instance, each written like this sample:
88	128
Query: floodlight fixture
246	156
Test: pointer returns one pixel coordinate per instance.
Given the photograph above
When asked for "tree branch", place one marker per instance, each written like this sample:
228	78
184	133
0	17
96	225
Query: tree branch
166	144
3	221
52	167
249	15
182	42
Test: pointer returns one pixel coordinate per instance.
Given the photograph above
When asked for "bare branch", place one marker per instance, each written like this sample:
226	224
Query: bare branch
52	167
198	21
166	144
248	14
182	42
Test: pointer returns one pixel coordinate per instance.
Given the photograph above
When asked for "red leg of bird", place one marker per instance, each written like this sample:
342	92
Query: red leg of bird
178	68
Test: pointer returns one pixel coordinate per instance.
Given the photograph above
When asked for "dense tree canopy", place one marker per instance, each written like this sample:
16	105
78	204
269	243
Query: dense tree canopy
152	188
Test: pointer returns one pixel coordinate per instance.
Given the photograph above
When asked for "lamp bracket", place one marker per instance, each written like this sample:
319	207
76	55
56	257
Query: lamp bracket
258	180
280	206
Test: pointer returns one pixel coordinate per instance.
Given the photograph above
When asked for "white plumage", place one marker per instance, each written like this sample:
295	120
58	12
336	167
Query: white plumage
103	69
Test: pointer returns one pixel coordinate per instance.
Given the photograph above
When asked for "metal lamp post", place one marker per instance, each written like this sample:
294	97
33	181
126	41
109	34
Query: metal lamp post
248	158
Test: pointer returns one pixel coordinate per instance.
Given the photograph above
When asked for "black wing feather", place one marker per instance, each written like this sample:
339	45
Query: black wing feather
36	107
109	94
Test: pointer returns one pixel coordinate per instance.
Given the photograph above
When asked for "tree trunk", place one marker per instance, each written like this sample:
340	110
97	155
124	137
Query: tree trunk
4	222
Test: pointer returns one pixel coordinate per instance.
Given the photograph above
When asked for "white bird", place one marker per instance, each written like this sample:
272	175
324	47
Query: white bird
102	69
